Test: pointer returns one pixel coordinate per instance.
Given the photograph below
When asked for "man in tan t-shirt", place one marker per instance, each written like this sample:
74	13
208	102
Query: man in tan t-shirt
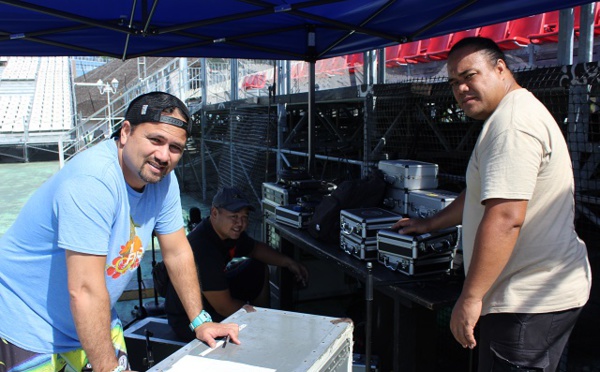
527	272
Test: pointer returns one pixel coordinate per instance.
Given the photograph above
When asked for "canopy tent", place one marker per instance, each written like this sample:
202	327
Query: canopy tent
261	29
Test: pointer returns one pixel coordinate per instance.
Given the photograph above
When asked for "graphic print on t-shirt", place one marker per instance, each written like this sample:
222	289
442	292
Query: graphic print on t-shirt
129	256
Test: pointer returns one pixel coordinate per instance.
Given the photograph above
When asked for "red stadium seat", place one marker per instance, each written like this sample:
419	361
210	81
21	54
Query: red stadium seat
407	49
421	55
550	25
246	82
439	47
518	31
496	32
390	54
299	70
255	81
453	39
353	61
549	32
458	36
330	66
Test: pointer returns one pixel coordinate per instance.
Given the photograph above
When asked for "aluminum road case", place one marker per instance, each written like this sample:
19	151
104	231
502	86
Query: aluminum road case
269	207
426	203
272	340
279	193
396	200
416	267
293	215
363	223
359	248
421	246
409	174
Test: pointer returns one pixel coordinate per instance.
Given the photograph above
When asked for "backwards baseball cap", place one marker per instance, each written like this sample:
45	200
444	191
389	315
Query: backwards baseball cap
231	199
149	107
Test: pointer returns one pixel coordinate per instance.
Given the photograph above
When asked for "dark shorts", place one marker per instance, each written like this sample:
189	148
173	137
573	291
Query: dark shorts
524	342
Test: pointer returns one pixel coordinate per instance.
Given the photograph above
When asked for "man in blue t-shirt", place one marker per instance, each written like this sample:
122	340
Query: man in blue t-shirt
77	242
231	265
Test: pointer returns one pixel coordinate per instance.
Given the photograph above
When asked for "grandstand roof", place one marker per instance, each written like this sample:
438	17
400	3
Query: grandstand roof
262	29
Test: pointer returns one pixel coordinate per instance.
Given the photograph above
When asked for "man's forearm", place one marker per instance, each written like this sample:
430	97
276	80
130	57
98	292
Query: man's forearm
91	313
90	306
449	216
269	256
183	275
179	259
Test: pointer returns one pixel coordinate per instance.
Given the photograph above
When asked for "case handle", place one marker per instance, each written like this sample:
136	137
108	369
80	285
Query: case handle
386	262
346	228
440	246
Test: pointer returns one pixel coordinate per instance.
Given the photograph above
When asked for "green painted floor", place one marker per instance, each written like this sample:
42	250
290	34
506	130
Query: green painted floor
19	181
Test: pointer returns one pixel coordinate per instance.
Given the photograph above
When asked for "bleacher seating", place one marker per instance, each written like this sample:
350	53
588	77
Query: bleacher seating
438	48
420	55
14	113
31	103
299	70
454	38
550	26
353	61
518	31
404	50
458	36
495	32
51	109
549	30
257	80
21	68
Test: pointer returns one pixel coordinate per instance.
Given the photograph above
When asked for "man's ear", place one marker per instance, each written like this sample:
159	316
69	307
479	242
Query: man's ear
213	212
125	132
501	66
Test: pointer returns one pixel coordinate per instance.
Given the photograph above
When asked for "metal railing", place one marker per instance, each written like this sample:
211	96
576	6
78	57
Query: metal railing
88	131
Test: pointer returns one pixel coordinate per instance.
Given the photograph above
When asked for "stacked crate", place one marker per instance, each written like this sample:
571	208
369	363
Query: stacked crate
412	191
359	227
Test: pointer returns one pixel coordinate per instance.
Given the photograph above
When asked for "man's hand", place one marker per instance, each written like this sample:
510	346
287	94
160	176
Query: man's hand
465	315
208	331
411	226
299	271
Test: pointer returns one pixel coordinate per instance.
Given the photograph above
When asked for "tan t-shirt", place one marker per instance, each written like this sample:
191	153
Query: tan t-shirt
521	154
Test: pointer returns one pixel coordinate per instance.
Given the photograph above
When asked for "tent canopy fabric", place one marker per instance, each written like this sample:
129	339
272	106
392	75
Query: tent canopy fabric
261	29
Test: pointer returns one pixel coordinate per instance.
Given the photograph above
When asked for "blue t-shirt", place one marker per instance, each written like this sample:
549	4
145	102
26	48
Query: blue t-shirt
86	207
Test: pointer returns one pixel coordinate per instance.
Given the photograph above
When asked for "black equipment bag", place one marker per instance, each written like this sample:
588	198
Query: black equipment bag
160	277
363	193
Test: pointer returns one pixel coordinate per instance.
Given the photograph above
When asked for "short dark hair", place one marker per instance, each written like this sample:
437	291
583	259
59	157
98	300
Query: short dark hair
488	46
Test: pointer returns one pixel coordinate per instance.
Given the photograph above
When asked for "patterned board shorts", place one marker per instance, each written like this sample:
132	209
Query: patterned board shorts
15	359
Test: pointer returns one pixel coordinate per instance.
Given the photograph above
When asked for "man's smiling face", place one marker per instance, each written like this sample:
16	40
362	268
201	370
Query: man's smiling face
150	151
227	224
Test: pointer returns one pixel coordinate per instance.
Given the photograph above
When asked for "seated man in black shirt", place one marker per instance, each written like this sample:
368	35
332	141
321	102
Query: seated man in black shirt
229	281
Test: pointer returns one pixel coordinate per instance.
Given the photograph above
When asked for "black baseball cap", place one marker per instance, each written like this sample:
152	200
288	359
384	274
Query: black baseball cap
231	199
149	107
